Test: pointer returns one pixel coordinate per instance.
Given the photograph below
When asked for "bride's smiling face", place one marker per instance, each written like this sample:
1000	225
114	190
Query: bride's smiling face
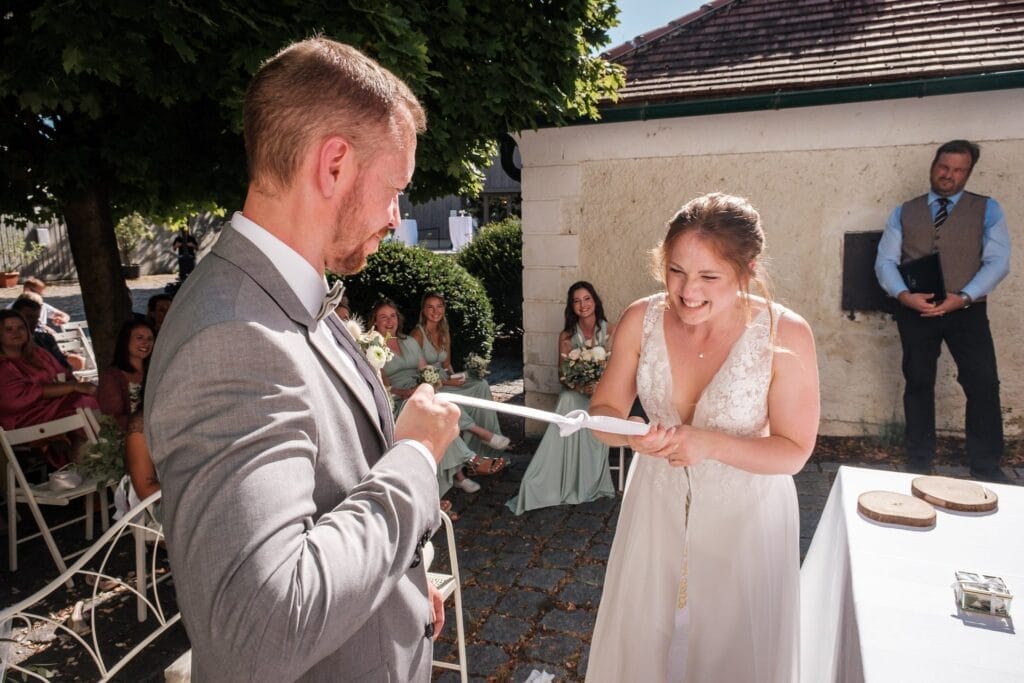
700	283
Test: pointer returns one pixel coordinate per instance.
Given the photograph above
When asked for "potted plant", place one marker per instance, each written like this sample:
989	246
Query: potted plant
130	231
15	253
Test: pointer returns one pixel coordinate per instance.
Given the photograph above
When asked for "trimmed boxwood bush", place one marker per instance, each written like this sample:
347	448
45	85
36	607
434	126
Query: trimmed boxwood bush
495	257
404	274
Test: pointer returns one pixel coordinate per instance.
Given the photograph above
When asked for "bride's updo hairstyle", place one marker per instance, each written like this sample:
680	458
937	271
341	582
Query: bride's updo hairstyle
733	229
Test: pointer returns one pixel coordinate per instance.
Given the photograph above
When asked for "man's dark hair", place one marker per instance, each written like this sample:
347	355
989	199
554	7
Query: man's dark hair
958	147
28	300
155	299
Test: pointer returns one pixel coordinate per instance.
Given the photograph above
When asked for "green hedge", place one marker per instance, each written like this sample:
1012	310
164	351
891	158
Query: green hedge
495	257
405	274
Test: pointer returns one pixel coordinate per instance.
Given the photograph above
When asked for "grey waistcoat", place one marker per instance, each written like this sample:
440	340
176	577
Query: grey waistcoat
958	242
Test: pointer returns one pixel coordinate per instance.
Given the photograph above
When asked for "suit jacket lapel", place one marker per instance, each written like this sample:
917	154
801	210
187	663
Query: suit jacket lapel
233	247
370	375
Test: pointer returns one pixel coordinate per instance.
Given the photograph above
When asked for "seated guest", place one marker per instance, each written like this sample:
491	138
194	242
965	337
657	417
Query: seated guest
30	306
573	469
141	481
120	392
401	375
50	315
156	310
480	427
34	387
343	310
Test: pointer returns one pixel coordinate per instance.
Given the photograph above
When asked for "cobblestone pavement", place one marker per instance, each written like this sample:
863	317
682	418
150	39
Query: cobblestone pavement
531	584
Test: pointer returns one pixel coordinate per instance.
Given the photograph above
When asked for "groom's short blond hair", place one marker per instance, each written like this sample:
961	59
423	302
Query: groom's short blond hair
311	90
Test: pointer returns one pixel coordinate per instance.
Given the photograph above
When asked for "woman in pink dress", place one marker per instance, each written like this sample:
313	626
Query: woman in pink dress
33	386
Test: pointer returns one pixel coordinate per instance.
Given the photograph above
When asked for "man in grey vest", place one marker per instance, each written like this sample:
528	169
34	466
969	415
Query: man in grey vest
969	233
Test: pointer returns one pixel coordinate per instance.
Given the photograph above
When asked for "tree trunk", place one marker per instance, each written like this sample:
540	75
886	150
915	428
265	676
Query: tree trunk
107	300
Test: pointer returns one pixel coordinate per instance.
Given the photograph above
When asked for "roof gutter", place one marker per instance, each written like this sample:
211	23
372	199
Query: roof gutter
1003	80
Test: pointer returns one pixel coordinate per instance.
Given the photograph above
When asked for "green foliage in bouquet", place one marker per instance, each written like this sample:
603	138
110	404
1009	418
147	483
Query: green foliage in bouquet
477	366
495	257
404	274
104	460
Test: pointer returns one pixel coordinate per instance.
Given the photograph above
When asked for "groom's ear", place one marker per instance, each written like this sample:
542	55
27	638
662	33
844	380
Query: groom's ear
336	166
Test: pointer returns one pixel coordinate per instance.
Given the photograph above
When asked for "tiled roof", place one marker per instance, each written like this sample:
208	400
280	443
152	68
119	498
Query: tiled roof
732	48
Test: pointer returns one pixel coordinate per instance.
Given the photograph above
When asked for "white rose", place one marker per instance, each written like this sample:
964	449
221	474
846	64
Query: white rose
375	337
574	354
587	355
599	353
377	357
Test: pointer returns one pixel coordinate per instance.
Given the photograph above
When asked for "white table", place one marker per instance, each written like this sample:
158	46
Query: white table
407	232
877	602
460	231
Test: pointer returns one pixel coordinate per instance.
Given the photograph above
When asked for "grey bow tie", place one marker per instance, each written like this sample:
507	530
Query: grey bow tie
331	300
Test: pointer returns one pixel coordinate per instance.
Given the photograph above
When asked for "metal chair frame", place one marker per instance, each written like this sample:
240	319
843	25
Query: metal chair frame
133	524
449	585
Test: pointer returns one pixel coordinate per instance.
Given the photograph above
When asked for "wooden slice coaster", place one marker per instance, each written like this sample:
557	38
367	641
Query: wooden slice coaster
895	508
954	494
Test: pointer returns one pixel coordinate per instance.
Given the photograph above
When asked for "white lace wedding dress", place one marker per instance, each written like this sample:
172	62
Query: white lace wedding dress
712	595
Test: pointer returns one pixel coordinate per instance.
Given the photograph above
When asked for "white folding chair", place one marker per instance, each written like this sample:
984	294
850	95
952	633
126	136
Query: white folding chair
82	629
448	585
76	342
18	490
621	467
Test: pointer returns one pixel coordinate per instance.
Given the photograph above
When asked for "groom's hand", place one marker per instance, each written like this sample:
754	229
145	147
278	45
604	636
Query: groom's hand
437	605
429	419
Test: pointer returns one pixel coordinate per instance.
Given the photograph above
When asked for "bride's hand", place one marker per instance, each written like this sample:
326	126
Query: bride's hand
686	447
652	443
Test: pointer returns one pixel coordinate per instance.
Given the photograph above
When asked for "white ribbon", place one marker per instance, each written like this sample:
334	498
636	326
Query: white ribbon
569	423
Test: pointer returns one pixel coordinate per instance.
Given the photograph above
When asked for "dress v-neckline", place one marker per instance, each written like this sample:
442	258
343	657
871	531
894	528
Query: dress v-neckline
725	363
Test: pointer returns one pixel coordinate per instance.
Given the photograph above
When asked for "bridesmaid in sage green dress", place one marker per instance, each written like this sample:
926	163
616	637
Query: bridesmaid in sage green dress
573	469
480	427
401	375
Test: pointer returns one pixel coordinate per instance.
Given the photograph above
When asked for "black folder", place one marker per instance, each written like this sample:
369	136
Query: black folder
924	275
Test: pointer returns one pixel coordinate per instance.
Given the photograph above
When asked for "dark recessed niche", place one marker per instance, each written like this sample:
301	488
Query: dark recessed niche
861	291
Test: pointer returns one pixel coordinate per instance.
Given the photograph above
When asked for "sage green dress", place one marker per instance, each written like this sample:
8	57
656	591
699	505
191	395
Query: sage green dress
478	388
402	372
567	470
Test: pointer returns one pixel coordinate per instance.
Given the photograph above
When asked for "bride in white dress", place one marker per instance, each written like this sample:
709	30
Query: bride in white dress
703	579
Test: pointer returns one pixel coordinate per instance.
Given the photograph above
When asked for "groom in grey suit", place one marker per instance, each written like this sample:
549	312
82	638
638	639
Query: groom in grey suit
295	508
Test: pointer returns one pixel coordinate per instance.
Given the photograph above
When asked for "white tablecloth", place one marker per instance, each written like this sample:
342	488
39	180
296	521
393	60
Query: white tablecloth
877	602
460	231
407	232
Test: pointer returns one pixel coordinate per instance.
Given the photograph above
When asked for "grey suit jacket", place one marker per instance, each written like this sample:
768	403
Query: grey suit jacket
293	531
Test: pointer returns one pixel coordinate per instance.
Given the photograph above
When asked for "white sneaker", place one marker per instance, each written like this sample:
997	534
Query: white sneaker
498	442
468	485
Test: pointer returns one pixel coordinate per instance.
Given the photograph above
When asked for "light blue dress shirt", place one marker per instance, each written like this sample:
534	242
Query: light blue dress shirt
995	250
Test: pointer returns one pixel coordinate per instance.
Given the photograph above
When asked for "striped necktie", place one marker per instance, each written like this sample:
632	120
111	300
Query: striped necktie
942	214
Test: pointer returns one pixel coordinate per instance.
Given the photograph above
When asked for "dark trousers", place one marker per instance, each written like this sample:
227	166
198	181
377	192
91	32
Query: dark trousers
969	340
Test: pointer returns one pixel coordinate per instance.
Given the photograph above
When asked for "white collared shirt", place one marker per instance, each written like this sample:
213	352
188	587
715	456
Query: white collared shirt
309	287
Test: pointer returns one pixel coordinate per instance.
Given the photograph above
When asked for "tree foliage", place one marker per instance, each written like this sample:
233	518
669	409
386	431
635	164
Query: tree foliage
136	106
405	274
495	257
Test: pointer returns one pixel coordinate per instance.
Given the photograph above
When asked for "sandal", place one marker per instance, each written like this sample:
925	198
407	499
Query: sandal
478	466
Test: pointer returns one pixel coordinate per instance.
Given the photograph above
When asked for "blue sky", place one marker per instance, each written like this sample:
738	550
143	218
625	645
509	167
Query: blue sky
640	16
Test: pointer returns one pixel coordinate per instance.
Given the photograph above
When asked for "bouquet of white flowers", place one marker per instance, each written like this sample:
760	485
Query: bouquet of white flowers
104	460
477	366
581	367
372	343
430	375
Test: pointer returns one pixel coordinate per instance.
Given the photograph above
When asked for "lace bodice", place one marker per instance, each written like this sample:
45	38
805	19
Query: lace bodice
735	401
